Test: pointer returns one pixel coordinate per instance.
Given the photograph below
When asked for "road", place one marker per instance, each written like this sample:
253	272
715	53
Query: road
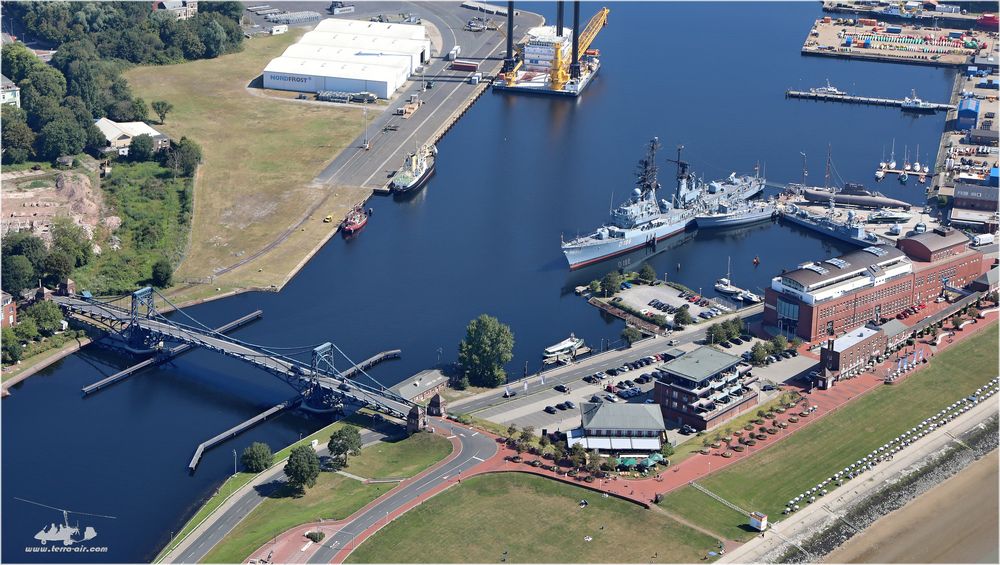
357	167
571	374
211	532
475	448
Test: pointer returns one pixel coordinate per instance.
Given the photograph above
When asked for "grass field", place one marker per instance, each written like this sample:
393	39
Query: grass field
535	520
767	480
334	496
260	154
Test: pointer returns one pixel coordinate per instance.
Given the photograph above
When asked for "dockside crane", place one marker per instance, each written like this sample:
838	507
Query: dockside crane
565	69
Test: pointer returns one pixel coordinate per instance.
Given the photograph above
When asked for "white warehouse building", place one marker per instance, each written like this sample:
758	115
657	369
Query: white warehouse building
313	75
350	56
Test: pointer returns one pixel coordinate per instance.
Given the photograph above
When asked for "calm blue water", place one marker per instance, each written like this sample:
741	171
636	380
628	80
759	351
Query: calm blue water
482	237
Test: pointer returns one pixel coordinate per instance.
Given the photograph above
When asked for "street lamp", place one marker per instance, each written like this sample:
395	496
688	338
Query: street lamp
234	462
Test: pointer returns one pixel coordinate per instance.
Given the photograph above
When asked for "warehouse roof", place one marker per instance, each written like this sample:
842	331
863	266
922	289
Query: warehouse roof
297	66
892	328
701	363
387	44
348	55
402	31
419	384
608	416
977	192
847	265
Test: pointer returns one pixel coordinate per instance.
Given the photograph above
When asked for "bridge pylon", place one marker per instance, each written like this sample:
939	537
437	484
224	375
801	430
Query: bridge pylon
143	306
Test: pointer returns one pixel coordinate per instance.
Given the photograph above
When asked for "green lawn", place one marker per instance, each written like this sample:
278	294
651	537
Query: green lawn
534	519
334	496
237	481
260	154
767	480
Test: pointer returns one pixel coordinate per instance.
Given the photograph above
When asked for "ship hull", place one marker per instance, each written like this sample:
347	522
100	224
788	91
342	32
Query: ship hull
734	220
417	184
823	197
579	257
820	229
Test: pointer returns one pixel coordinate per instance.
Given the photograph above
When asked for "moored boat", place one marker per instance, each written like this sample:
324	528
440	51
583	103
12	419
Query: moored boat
356	219
564	347
417	169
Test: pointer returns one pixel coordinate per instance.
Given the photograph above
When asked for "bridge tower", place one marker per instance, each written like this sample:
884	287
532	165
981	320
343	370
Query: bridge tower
322	359
143	306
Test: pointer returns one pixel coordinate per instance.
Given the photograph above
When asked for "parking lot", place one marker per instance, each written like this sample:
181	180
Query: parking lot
640	296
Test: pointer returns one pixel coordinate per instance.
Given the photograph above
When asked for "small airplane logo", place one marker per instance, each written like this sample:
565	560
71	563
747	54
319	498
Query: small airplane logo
64	532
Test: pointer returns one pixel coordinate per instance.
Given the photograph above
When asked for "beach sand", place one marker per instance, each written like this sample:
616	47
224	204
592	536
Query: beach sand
954	522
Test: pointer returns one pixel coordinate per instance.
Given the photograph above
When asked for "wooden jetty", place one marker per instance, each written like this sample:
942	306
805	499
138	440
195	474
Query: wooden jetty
235	430
371	362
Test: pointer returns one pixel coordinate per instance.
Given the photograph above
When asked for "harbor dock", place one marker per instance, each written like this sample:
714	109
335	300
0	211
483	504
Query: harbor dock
850	99
236	430
876	41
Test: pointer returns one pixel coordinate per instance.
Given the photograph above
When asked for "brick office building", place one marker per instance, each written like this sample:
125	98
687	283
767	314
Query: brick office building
852	352
869	285
9	311
704	388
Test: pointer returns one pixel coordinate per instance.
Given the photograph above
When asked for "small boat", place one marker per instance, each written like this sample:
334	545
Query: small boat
926	169
880	174
903	177
922	179
355	220
747	296
828	90
566	346
883	216
896	229
417	169
913	103
892	156
724	285
756	261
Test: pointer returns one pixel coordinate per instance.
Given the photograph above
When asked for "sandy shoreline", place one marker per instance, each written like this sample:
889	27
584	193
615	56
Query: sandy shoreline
955	522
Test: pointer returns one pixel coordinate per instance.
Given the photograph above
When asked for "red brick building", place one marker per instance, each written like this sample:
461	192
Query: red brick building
827	299
9	311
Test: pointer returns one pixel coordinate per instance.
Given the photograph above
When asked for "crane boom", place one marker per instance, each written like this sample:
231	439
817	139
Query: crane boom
560	66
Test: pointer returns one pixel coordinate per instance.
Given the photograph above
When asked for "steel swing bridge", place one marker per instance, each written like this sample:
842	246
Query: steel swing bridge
135	321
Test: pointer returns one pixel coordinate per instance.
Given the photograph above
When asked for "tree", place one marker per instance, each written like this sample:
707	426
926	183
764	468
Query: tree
631	335
62	136
594	286
17	274
72	239
183	159
667	450
10	347
229	9
734	327
527	433
973	312
17	138
46	315
647	272
716	334
487	346
779	343
163	273
29	245
162	107
759	352
682	317
213	36
59	266
610	283
141	148
302	468
257	457
26	330
511	431
343	442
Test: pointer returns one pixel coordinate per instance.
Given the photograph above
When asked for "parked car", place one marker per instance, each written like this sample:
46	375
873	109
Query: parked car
736	341
561	388
767	386
561	406
611	397
570	404
509	393
687	430
595	398
550	409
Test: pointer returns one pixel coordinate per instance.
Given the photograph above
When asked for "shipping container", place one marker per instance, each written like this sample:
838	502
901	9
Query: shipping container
465	66
893	29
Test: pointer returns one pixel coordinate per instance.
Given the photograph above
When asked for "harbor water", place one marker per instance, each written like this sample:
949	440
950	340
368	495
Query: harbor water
513	176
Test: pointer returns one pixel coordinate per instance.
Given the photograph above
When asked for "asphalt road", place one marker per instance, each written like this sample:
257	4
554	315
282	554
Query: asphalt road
224	522
475	448
572	374
357	167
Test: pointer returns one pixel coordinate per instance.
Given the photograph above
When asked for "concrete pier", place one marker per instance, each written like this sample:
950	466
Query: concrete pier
371	362
237	429
846	98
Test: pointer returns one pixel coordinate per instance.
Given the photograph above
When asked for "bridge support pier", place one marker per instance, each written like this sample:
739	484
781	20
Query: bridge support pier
416	420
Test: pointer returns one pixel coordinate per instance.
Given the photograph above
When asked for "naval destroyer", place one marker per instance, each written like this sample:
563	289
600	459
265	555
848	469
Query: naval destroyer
640	221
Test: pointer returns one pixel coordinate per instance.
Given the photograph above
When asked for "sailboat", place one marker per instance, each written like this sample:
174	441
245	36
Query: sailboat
724	285
916	161
906	160
892	157
882	164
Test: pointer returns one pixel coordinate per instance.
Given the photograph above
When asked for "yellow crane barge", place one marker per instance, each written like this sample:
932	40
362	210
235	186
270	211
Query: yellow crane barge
553	60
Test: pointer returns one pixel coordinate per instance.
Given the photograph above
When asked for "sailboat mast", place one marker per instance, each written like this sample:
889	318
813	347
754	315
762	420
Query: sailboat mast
826	181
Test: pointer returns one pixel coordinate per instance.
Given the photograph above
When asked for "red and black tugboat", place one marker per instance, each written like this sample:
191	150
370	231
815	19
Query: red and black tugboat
355	220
